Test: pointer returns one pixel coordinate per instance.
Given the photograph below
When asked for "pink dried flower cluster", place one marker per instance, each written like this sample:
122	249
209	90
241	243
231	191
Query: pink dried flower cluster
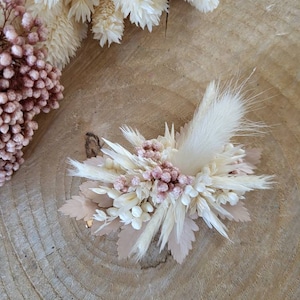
168	179
28	83
150	149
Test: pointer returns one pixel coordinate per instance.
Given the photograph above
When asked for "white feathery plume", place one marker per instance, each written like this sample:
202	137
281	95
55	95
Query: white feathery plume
209	96
209	131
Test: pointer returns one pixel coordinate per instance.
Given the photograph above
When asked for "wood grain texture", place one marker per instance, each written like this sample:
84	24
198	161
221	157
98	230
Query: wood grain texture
145	81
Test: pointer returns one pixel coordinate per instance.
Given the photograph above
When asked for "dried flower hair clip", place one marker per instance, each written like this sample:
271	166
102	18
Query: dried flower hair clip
170	181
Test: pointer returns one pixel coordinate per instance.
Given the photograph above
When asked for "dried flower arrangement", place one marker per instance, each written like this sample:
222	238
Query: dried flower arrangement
67	21
28	83
170	181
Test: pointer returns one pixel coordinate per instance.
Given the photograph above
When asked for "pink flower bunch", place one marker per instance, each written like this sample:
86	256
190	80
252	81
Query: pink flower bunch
150	149
168	179
28	83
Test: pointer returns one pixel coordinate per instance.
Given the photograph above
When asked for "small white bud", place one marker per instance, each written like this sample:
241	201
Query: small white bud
233	198
136	211
147	207
190	191
137	223
185	199
112	211
126	216
109	163
145	217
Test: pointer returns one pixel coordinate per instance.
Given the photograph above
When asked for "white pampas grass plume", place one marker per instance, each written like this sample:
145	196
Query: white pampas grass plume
107	23
204	5
216	120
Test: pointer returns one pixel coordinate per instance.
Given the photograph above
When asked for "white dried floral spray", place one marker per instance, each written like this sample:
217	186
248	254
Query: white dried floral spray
169	181
81	9
64	33
142	12
108	25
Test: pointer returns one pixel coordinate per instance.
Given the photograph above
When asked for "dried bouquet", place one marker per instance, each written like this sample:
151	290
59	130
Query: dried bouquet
29	84
168	182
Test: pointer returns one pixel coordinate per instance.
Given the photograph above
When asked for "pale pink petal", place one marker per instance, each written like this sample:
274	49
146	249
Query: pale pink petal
180	250
253	156
238	211
244	169
127	239
79	207
102	200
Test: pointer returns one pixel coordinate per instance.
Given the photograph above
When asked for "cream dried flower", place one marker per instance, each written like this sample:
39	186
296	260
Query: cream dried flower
143	12
82	9
64	33
171	180
108	25
204	5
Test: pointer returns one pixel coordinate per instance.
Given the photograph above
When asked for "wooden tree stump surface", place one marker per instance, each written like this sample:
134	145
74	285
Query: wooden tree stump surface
148	79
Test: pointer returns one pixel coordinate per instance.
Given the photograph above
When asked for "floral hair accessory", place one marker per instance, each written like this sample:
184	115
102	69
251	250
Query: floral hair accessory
168	182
